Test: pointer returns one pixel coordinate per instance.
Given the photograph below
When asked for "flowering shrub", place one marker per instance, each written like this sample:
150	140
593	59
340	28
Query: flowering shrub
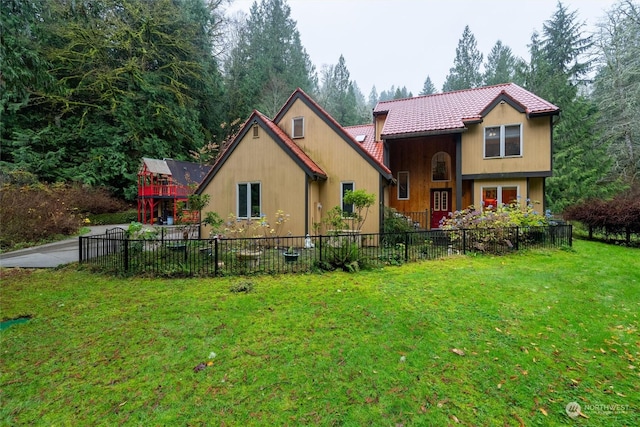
496	235
512	215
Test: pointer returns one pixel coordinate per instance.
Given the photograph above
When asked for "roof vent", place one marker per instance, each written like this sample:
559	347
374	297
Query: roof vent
361	138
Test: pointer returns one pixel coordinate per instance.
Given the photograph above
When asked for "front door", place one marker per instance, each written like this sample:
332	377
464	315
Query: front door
440	206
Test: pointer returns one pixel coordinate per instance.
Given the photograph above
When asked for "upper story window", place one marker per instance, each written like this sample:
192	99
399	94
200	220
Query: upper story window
441	167
503	141
403	185
249	200
256	131
298	127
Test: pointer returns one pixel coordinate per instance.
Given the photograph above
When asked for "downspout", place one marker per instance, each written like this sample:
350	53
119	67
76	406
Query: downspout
306	204
381	204
458	171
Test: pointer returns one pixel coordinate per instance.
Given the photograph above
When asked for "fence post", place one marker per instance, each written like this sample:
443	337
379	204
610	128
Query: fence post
320	246
126	255
464	241
571	235
517	238
215	256
406	246
80	249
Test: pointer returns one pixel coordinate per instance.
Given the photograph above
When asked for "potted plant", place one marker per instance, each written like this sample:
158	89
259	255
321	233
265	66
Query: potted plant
291	255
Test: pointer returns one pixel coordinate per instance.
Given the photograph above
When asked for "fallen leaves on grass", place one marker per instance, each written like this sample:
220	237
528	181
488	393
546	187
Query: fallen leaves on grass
458	351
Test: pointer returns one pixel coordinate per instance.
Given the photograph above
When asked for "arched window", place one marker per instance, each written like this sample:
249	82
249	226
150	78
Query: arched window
441	167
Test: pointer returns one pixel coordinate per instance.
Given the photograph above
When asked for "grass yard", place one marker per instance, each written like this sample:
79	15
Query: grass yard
483	340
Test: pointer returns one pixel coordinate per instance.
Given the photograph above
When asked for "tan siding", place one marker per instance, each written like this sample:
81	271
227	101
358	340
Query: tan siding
339	161
379	124
536	151
261	160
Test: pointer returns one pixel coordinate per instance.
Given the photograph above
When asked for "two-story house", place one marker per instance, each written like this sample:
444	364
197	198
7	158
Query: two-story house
424	156
486	146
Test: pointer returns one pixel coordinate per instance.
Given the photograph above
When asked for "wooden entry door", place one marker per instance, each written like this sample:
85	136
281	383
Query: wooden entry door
440	206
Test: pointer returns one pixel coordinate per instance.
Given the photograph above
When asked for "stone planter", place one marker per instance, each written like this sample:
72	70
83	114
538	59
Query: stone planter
291	257
251	258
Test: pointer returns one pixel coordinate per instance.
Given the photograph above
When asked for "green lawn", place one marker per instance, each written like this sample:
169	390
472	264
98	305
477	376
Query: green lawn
488	341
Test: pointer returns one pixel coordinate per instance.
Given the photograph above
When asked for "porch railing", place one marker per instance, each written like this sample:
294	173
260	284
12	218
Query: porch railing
175	255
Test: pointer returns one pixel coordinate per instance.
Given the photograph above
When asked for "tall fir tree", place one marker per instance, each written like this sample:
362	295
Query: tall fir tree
340	96
465	73
268	61
428	88
500	66
580	164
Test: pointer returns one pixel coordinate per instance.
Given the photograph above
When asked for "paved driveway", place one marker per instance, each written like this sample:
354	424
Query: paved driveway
50	255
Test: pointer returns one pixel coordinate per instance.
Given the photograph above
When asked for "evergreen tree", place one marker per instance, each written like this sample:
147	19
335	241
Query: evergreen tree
617	88
340	96
268	61
465	73
132	79
565	44
373	98
580	163
395	93
500	66
428	88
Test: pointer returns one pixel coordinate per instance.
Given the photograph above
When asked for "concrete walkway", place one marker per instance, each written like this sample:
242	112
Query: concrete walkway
51	255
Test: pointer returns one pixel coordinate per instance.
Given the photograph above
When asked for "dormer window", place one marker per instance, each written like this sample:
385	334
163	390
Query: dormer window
298	127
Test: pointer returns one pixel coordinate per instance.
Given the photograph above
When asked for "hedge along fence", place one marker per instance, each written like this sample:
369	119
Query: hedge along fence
114	253
617	217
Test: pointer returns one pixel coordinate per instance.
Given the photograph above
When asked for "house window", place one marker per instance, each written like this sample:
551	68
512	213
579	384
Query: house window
249	204
256	133
441	167
503	141
298	127
493	197
346	187
403	185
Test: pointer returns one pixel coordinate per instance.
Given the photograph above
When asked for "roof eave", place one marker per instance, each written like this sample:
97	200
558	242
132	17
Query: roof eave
423	133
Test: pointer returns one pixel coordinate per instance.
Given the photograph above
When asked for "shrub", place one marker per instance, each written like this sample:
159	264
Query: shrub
491	227
618	216
395	227
38	212
511	215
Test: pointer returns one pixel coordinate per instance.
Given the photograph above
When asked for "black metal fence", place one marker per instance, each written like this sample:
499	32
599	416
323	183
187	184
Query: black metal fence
114	253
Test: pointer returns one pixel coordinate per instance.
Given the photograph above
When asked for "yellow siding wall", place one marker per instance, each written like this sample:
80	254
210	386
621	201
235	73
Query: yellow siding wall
536	147
261	160
339	161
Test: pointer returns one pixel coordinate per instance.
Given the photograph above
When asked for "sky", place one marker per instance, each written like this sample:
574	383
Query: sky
401	42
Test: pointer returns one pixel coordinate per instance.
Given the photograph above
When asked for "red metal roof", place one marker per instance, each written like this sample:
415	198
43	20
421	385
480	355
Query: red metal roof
373	148
448	112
